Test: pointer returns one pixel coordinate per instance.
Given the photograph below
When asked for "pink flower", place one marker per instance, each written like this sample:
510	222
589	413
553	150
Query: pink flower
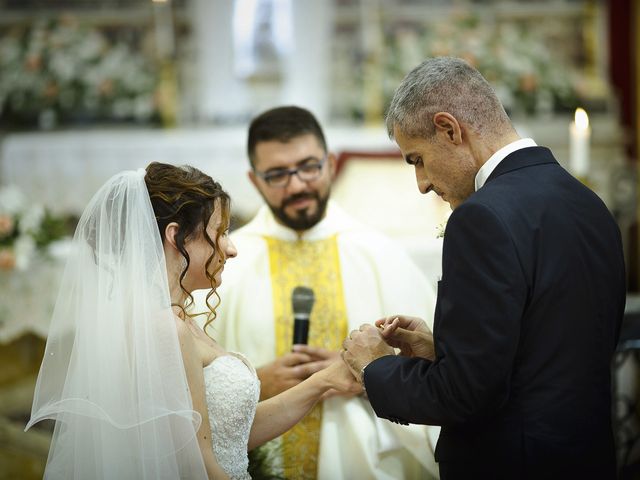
528	82
51	90
7	259
6	225
33	63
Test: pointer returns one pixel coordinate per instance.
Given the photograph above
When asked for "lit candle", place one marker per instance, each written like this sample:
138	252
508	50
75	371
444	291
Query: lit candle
580	134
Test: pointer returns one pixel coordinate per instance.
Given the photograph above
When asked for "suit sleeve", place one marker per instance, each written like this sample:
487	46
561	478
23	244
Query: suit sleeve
481	299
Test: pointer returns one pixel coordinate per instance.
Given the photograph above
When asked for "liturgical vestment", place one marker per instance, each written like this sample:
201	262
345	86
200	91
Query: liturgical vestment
357	276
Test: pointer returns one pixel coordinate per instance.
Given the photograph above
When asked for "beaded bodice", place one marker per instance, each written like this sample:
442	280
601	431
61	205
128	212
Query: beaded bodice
232	393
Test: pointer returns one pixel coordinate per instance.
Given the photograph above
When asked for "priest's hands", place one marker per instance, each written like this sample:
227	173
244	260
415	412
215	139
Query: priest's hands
362	347
292	368
410	334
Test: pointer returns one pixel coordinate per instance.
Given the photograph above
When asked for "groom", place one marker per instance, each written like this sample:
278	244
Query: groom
529	305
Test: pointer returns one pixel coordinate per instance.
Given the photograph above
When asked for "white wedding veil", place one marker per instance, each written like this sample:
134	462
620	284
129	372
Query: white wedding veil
112	376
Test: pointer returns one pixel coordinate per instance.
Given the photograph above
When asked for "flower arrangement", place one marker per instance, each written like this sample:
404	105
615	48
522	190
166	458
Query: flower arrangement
528	76
25	229
53	70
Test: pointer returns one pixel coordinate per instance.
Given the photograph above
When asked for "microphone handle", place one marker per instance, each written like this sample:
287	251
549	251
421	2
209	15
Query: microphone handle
300	331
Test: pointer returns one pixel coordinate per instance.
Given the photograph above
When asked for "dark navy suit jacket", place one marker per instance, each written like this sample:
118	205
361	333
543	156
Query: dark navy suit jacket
526	322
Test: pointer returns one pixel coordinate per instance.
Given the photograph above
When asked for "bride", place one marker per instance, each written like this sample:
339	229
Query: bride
137	389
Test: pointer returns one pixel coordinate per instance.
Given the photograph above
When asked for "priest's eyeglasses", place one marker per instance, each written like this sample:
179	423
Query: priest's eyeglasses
280	177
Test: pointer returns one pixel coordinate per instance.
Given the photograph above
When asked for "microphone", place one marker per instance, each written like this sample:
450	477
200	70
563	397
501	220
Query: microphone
302	300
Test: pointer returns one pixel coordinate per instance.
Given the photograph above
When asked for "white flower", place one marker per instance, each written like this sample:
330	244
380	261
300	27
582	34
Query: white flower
122	108
62	66
21	224
30	221
24	248
60	249
441	229
72	62
9	50
12	200
143	107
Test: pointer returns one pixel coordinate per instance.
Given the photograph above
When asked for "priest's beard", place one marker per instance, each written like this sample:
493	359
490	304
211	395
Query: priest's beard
303	220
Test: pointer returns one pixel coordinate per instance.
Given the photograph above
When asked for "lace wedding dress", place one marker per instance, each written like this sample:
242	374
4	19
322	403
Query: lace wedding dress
232	393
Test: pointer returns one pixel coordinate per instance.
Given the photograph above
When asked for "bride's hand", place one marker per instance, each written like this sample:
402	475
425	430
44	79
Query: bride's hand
410	334
340	380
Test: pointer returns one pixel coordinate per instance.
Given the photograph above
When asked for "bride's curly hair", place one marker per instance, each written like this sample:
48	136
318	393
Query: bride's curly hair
188	197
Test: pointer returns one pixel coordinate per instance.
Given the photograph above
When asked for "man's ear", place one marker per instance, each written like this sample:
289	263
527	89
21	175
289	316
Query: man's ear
447	125
333	165
170	232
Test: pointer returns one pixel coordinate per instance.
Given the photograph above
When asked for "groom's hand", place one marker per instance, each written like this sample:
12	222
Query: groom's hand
410	334
362	347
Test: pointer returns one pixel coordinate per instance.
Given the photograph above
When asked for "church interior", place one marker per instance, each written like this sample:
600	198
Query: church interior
92	87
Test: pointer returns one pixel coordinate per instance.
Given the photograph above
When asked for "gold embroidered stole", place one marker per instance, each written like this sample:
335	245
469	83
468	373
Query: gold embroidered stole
315	265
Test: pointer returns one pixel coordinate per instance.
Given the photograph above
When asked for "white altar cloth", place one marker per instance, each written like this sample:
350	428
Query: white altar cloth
27	299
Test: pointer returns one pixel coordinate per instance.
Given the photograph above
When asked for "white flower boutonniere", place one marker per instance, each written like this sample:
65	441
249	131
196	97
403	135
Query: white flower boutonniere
440	229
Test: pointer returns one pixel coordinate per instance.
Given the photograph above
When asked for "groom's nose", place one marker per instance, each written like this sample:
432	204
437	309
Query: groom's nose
421	179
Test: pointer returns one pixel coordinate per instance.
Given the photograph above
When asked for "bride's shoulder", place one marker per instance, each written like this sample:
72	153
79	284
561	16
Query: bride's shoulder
187	329
206	347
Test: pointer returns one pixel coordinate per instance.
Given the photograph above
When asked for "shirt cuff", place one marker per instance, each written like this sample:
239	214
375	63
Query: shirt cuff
362	378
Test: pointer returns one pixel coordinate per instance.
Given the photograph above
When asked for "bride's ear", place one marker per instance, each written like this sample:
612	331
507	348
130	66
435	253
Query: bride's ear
170	232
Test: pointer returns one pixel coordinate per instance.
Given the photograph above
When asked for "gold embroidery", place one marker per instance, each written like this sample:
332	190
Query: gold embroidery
315	265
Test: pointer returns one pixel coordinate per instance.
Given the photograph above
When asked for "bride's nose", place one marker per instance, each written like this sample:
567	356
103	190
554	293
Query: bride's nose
230	249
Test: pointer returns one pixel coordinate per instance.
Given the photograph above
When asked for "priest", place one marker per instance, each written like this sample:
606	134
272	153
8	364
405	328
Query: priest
300	238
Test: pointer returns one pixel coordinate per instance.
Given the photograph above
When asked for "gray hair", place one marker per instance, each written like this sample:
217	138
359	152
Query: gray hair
445	84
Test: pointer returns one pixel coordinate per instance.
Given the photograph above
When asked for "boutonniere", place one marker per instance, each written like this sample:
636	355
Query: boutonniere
440	229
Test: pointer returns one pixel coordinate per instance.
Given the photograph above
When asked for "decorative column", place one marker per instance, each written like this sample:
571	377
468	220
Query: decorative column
372	68
218	94
165	54
307	67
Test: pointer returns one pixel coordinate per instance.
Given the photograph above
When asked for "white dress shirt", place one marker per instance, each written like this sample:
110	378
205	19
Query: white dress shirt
496	158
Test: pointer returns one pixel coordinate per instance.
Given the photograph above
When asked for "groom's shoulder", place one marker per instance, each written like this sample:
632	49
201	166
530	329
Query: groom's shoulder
506	193
487	212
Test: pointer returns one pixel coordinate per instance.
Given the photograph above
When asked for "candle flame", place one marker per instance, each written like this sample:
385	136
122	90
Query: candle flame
582	119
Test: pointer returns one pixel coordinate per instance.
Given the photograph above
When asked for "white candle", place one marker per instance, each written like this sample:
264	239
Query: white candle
580	134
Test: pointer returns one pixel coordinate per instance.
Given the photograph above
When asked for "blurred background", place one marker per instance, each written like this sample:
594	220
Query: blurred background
91	87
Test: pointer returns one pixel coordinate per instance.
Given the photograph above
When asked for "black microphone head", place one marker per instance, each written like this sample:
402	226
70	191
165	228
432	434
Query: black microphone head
302	300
